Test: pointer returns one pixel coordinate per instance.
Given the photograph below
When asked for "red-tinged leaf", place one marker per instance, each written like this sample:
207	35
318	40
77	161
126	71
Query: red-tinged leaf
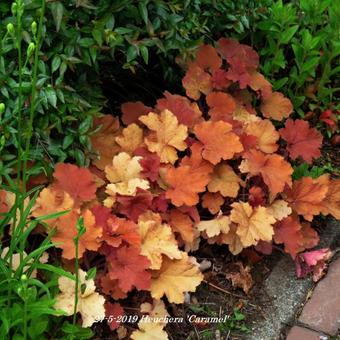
310	236
264	247
160	203
101	214
129	268
312	262
207	58
301	140
232	51
220	80
187	113
113	312
132	111
150	164
243	61
119	231
133	206
77	182
110	287
256	196
221	104
288	232
276	106
3	202
196	81
248	141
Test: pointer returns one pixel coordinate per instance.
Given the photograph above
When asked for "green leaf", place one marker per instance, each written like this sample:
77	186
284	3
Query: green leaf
57	9
68	140
55	63
288	34
310	64
51	96
85	125
145	53
37	327
143	10
91	274
131	53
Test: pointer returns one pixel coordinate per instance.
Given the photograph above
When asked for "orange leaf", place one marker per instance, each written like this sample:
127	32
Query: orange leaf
78	182
301	140
221	104
207	58
276	106
196	81
212	201
307	195
51	201
66	231
331	204
181	223
185	184
218	140
275	171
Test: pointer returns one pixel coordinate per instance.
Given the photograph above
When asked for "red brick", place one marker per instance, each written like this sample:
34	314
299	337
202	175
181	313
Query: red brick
322	311
300	333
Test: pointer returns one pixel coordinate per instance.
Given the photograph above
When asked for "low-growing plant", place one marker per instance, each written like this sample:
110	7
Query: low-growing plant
213	166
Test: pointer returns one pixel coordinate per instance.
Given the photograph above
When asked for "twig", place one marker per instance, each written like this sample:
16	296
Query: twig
224	290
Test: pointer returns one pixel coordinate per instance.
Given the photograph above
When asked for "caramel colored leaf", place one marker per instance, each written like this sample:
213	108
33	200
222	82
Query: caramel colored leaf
215	226
175	278
157	239
252	224
124	175
132	111
266	135
90	303
225	181
196	81
131	138
167	135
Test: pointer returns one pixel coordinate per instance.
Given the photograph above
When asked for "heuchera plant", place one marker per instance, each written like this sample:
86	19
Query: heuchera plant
213	165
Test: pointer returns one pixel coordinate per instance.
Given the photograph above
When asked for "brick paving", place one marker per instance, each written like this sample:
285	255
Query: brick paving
320	317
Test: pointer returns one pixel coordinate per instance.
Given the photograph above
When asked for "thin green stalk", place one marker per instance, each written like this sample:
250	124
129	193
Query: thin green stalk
25	321
34	92
76	241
